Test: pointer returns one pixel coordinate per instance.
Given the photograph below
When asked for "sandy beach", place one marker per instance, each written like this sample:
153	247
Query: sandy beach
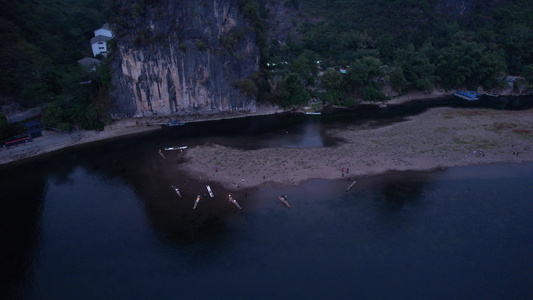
438	138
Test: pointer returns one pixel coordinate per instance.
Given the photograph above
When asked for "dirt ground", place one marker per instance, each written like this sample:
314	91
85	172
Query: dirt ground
439	138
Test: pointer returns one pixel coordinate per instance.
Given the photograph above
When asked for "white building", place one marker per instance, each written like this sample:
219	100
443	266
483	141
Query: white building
99	41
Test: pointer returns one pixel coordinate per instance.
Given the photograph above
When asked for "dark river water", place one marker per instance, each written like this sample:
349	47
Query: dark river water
101	221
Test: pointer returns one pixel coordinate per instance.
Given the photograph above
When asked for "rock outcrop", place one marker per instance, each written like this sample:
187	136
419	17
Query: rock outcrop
181	57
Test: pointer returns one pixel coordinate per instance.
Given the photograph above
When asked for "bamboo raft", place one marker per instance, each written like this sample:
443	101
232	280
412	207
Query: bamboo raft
351	186
177	191
283	200
230	198
210	191
176	148
196	202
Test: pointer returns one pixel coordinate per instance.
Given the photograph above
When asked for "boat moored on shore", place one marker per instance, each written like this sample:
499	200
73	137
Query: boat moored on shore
176	148
173	124
470	96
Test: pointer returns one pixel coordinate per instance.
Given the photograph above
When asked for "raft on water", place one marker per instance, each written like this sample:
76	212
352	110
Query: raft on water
234	201
351	186
196	202
210	191
176	148
283	200
177	191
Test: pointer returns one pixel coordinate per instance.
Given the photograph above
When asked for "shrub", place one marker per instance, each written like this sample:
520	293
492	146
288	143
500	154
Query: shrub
350	102
201	45
247	87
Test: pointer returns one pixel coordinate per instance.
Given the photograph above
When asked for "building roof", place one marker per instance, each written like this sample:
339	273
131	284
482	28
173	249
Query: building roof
104	27
24	115
88	61
100	38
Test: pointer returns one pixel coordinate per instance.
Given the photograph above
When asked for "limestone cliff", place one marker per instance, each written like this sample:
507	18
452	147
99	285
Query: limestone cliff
175	57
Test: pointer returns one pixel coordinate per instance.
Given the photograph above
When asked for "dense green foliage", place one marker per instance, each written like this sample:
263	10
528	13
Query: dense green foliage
41	42
5	130
84	102
292	91
409	45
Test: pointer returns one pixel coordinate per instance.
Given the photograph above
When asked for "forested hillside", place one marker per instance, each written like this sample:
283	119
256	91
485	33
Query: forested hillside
41	40
405	44
339	51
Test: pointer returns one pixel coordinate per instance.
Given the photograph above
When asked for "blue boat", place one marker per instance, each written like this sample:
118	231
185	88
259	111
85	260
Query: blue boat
470	96
173	123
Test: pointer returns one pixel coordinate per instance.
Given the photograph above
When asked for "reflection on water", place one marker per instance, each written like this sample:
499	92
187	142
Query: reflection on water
307	135
21	202
105	215
414	233
297	130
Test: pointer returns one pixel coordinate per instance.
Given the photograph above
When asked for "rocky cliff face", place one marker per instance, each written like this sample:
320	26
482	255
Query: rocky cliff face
180	57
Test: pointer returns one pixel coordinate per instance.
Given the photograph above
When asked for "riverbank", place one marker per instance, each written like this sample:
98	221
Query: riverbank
438	138
52	140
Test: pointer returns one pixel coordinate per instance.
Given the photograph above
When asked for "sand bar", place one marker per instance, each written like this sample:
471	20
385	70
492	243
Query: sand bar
438	138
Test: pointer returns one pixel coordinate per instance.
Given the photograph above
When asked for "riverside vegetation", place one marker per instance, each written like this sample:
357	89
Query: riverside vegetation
385	47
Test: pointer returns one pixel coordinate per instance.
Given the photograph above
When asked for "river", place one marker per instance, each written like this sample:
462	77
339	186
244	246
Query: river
100	221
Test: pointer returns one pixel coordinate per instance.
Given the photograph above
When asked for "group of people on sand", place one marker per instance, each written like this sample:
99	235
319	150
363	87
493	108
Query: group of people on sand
347	171
479	153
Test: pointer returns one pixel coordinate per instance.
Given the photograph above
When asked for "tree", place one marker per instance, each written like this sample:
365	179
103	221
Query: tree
364	71
398	81
469	64
491	66
334	83
332	80
362	76
305	65
247	87
39	40
528	74
371	93
416	69
292	91
5	129
52	115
